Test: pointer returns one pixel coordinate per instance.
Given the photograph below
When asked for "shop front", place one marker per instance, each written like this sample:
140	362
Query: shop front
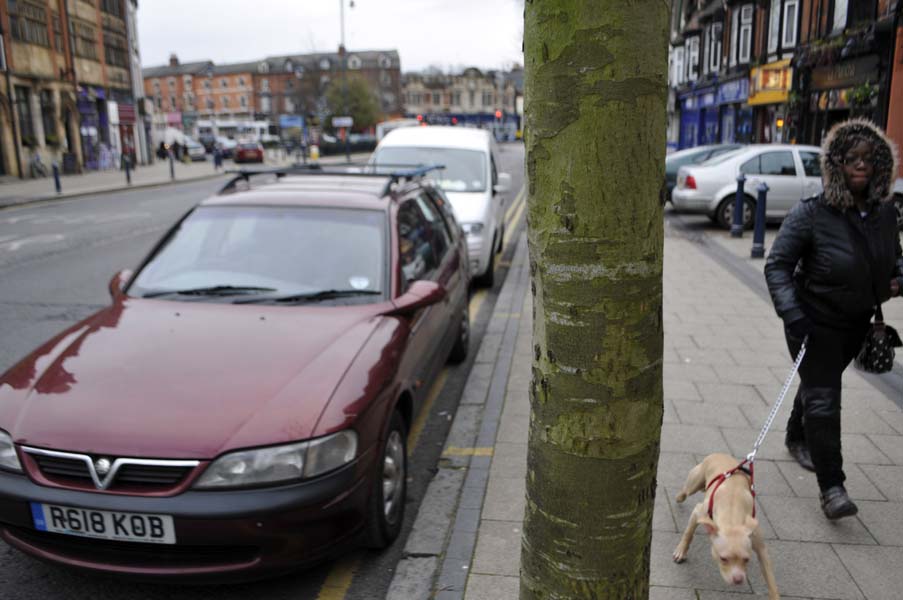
769	91
127	120
698	118
839	91
735	114
93	123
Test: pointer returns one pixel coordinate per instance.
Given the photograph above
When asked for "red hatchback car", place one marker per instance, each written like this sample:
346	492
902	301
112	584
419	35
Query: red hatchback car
242	406
249	152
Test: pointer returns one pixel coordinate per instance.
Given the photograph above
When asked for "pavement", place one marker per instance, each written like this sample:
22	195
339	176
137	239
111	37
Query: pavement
14	192
724	364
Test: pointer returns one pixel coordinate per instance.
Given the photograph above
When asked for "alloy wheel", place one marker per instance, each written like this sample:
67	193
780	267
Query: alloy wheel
393	476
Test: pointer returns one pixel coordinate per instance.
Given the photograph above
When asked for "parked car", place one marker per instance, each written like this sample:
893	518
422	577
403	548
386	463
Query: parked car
208	141
470	180
195	150
227	146
692	156
249	152
791	173
242	405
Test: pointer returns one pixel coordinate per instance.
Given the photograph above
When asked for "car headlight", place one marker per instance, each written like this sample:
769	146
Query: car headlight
9	460
472	228
280	464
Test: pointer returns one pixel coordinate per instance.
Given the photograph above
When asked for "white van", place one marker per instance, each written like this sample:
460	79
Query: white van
470	180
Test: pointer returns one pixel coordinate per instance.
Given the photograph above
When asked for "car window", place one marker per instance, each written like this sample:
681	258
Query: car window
718	151
673	164
495	173
291	249
465	170
724	157
811	163
440	237
751	167
445	209
416	249
777	163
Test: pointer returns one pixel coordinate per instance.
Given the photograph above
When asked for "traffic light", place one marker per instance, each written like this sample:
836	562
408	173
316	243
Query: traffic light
498	114
420	117
454	120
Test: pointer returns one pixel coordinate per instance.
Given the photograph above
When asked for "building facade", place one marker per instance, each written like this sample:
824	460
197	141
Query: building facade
67	94
778	70
473	97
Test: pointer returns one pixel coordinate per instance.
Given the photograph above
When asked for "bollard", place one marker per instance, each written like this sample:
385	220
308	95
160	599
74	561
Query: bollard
128	170
758	247
56	178
172	166
737	226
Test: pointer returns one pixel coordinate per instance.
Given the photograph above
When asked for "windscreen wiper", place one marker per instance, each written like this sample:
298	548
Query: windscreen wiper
309	297
216	290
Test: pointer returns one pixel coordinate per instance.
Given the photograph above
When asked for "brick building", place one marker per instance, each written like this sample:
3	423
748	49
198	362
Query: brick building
66	87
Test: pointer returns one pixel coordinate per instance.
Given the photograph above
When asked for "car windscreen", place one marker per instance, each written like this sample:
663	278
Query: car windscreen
465	170
281	251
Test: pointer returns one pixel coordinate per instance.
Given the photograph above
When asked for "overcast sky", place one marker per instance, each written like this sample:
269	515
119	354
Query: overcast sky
446	33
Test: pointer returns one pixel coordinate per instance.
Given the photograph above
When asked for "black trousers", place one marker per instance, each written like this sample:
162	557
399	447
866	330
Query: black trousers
815	417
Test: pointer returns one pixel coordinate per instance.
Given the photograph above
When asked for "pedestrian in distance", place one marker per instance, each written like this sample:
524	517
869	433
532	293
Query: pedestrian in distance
217	157
836	258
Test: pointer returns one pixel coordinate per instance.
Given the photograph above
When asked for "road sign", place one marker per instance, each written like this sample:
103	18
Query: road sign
342	121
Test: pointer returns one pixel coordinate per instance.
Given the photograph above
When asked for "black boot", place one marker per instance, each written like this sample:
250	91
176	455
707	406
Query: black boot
836	504
795	440
799	450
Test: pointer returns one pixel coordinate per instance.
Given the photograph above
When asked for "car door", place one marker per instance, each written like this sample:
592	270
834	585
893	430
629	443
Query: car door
419	260
777	169
810	160
452	269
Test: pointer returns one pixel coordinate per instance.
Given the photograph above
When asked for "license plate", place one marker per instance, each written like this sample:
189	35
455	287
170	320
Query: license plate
104	524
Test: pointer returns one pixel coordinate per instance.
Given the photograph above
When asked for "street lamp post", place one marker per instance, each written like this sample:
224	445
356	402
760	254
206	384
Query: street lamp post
344	59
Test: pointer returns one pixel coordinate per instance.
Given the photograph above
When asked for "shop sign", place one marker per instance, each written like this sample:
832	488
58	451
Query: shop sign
706	98
831	100
733	91
845	74
770	84
174	119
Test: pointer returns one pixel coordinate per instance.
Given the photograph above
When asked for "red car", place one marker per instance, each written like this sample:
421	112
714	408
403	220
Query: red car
249	152
242	406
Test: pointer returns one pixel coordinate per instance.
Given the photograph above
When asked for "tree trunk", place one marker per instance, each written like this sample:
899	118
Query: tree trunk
596	89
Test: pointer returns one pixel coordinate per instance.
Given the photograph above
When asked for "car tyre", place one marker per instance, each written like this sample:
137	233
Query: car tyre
458	352
725	213
501	239
388	497
487	279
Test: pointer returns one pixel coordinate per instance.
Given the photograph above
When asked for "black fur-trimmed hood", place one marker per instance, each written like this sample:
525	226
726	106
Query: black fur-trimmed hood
838	142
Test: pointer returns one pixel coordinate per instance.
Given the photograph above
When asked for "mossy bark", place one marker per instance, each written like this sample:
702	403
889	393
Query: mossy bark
596	91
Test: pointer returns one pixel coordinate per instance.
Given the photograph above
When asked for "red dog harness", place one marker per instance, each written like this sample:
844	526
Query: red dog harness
717	481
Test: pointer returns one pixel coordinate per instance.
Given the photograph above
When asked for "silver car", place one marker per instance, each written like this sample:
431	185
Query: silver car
791	172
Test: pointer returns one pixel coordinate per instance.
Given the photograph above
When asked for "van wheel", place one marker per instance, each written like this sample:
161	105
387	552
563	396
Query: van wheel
487	279
725	213
501	239
387	499
462	342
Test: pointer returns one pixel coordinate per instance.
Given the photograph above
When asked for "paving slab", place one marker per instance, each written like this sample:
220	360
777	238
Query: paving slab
877	571
498	548
492	587
804	484
884	520
801	519
701	413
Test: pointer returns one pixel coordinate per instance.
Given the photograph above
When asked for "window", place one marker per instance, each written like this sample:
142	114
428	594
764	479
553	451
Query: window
171	82
715	52
384	61
224	83
241	82
287	67
811	163
693	58
113	7
774	26
207	85
791	11
243	101
415	243
771	163
840	15
354	63
265	104
2	53
487	98
441	238
735	30
116	50
57	33
324	64
85	40
225	102
679	65
861	11
172	103
265	85
28	22
47	117
472	97
456	98
186	80
745	43
436	98
210	104
23	110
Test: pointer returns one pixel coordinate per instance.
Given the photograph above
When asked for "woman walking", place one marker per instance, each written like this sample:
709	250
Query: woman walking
836	257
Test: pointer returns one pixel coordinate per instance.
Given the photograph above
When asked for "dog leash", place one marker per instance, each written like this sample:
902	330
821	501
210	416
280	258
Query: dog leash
751	457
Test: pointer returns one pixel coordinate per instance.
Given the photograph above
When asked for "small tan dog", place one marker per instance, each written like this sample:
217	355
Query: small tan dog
732	526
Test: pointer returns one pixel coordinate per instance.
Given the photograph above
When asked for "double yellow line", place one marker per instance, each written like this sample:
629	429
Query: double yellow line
338	582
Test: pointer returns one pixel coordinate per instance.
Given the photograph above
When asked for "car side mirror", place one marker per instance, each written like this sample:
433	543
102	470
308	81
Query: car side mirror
117	283
503	184
419	295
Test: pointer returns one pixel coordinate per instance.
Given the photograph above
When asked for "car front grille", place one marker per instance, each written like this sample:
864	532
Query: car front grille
54	467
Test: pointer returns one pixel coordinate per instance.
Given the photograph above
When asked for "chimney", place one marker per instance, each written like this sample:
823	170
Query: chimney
173	60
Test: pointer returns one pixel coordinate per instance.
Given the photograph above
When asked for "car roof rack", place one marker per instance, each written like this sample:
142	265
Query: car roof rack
395	173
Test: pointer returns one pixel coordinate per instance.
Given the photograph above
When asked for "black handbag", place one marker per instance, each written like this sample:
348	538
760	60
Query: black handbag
877	353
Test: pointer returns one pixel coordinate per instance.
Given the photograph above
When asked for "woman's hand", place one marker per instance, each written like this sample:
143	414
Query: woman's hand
894	287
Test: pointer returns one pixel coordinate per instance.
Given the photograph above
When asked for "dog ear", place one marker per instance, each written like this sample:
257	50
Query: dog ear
709	525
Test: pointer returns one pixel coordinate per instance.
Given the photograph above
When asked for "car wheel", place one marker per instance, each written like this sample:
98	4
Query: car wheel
898	204
725	213
462	341
487	279
387	500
